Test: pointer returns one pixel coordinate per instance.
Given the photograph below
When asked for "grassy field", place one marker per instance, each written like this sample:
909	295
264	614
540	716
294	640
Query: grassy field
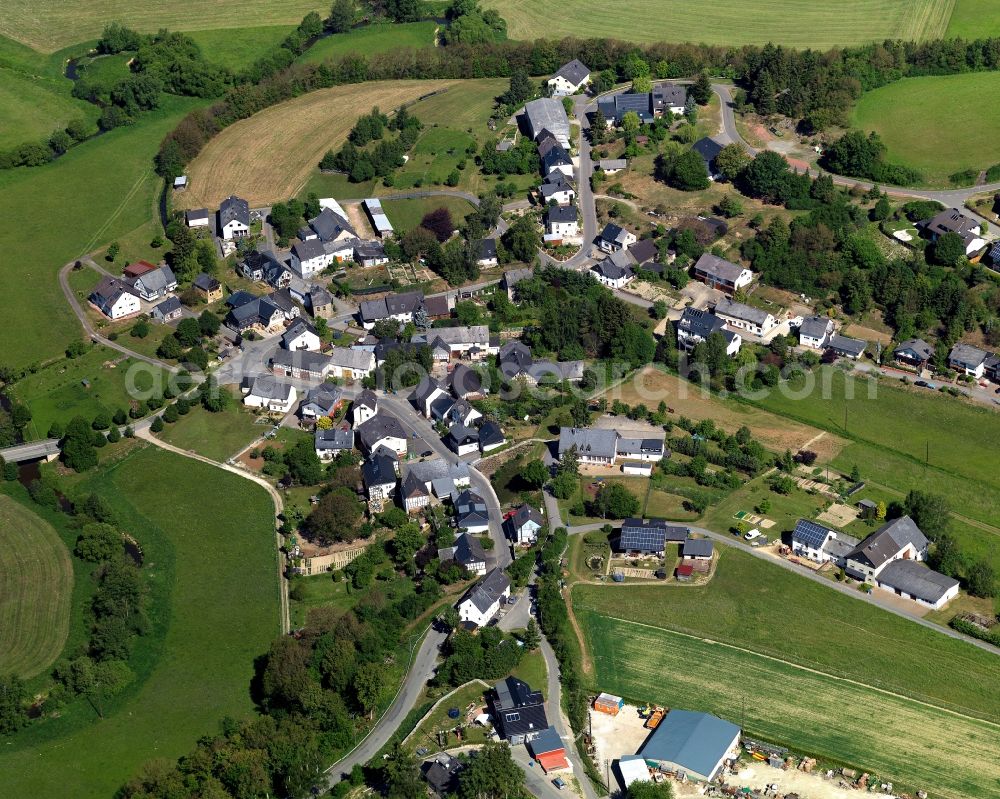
406	214
208	623
270	156
926	142
774	612
237	48
218	436
974	19
48	25
37	576
317	591
893	736
795	23
99	191
57	392
371	39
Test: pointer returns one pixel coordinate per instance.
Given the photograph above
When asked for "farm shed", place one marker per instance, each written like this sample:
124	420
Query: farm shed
608	703
549	750
696	744
633	768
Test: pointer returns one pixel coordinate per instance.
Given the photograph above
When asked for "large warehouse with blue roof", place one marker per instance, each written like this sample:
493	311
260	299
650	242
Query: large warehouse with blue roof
697	744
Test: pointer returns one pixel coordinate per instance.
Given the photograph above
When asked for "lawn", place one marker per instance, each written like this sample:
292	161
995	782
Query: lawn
37	578
98	191
218	436
914	745
58	392
320	590
371	39
407	214
210	617
427	732
974	19
48	25
271	155
34	106
437	152
237	48
759	605
794	23
925	142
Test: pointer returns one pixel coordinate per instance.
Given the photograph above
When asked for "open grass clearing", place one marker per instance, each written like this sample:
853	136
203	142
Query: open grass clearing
793	23
651	385
912	744
927	142
37	578
316	591
48	25
407	214
271	155
238	48
371	39
974	19
210	617
98	191
758	605
34	106
218	436
101	380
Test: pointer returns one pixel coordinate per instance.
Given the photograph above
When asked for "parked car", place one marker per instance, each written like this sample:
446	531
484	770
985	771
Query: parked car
750	536
559	783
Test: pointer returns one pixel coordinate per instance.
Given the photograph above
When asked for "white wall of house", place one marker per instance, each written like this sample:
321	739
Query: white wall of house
306	340
467	611
234	229
561	87
251	400
528	532
752	327
977	373
361	414
397	445
126	305
946	597
563	229
614	283
378	492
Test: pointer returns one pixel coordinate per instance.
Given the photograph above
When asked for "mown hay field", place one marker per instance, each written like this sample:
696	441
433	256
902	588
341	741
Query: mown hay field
48	25
270	156
795	23
37	579
914	745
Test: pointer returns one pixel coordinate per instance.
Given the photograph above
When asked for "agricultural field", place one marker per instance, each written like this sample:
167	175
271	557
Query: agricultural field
37	576
910	743
926	142
974	19
780	614
406	214
99	191
795	23
208	623
271	155
371	39
59	391
49	25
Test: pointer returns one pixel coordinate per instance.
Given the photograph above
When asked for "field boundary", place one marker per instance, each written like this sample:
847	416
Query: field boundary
807	669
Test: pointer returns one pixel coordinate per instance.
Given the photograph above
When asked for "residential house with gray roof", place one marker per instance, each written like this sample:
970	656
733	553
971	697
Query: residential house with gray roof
330	443
481	602
569	78
968	359
914	352
745	317
234	218
695	326
899	539
721	274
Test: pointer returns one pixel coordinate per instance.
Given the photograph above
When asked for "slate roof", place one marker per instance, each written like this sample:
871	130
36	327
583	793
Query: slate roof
369	250
269	387
234	208
708	149
296	328
412	486
206	283
643	251
739	310
309	249
613	233
366	399
168	306
951	221
438	469
196	214
487	591
470	510
459	435
847	346
311	361
814	326
490	434
347	358
468	550
328	225
917	346
718	268
612	271
700	323
669	95
379	470
917	580
560	213
588	442
324	396
694	741
486	249
464	381
573	71
639	446
517	709
555	156
334	439
378	427
523	514
967	355
697	548
886	542
425	389
442	774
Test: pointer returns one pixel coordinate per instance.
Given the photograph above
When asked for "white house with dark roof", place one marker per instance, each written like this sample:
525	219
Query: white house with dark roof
351	364
300	364
721	274
593	447
428	390
413	493
301	336
569	79
911	580
378	474
815	332
322	400
399	307
561	223
482	601
467	552
745	317
234	218
461	439
269	393
611	166
913	352
382	430
556	160
696	325
968	359
364	407
115	298
330	443
954	221
471	512
154	284
168	310
197	218
821	544
486	253
847	347
524	524
612	275
491	437
310	258
328	226
899	539
615	237
556	188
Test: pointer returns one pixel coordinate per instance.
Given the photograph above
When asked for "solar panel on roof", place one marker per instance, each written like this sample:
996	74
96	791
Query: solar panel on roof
811	534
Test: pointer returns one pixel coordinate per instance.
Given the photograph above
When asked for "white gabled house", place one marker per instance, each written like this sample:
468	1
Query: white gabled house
301	336
365	407
815	332
351	364
561	223
696	325
482	602
234	218
115	298
821	544
745	317
269	393
310	258
614	238
611	274
569	79
523	524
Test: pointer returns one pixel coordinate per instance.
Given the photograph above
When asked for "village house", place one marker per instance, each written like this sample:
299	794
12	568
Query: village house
197	218
745	317
330	225
914	352
154	284
954	221
491	437
549	751
269	393
442	774
310	257
465	383
512	277
208	287
647	106
462	440
556	188
471	513
319	302
697	549
378	474
486	253
968	360
649	536
518	712
911	580
555	159
721	274
709	150
168	310
600	447
614	238
330	443
365	407
234	219
300	364
460	341
370	253
523	525
481	602
453	411
351	364
440	476
325	399
611	274
301	335
115	298
695	326
428	390
247	312
569	79
899	539
264	266
467	552
517	363
612	166
413	493
815	332
382	431
846	347
399	307
821	544
561	223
